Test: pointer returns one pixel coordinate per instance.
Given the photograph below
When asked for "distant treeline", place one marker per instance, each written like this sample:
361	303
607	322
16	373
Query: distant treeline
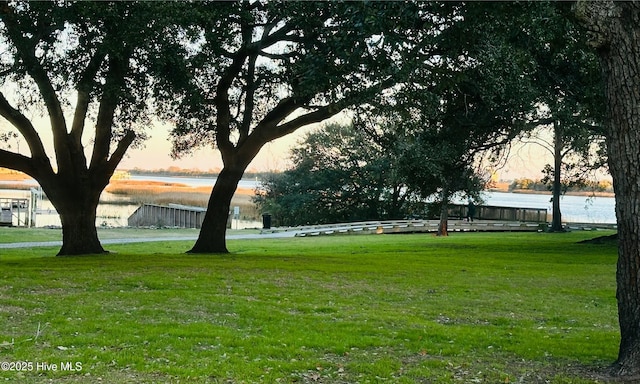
539	185
186	172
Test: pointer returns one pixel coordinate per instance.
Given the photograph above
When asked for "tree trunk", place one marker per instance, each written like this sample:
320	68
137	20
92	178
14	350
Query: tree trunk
624	162
79	234
444	214
212	236
77	205
556	220
616	35
622	82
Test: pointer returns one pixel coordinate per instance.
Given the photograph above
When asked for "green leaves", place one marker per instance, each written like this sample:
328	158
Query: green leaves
339	174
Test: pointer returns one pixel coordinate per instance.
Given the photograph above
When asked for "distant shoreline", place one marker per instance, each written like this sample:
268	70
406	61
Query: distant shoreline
570	193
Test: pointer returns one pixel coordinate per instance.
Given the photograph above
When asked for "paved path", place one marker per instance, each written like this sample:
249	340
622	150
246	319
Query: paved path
58	243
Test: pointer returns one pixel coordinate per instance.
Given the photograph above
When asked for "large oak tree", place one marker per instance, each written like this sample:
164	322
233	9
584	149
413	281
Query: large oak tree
85	66
269	68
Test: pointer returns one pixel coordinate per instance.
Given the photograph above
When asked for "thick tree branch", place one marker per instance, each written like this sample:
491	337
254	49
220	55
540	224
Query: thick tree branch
279	56
106	111
270	128
84	88
221	100
121	149
222	103
18	162
249	102
309	118
24	126
280	112
278	36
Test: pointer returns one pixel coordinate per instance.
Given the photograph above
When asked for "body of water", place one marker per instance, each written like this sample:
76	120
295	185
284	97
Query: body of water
575	209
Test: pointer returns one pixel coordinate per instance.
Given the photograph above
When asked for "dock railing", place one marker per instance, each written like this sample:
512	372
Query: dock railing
425	226
407	226
173	215
490	212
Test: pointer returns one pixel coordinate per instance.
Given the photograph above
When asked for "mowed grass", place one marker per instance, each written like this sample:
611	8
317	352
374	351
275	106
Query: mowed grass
470	308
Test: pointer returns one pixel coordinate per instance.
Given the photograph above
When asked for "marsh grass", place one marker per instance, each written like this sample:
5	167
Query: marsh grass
16	186
161	193
471	308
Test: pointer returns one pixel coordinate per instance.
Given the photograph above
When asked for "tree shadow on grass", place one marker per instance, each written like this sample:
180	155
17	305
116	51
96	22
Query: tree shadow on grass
611	239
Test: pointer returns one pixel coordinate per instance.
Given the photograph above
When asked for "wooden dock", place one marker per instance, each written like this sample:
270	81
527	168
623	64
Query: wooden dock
172	215
426	226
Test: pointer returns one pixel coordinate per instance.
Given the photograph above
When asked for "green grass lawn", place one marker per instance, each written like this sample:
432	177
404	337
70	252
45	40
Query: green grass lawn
470	308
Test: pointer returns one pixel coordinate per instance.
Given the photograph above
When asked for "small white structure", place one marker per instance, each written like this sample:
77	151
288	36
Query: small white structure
14	210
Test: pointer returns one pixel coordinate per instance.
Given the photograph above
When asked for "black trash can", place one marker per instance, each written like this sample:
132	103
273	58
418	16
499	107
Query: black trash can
266	221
